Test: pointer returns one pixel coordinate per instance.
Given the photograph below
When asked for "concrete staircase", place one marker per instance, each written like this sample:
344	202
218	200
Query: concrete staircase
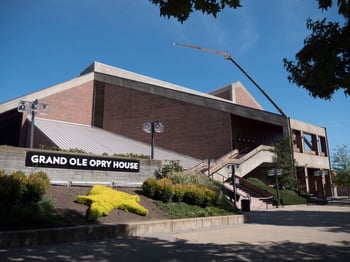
221	171
256	203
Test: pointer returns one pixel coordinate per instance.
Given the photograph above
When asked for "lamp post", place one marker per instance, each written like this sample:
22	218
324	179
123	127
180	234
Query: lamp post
235	182
152	128
276	172
33	108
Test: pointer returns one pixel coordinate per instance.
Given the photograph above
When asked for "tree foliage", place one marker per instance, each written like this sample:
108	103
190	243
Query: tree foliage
181	9
341	159
322	66
341	166
283	161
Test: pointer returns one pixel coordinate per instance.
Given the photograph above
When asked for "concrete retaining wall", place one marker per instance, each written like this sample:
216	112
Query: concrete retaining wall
27	238
13	159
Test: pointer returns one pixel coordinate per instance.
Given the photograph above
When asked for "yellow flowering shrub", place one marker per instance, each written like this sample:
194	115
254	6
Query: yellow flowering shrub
102	200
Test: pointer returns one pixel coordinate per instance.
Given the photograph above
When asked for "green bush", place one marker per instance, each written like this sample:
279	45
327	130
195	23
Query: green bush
193	189
16	188
11	188
165	190
290	197
179	193
149	187
199	195
36	185
32	215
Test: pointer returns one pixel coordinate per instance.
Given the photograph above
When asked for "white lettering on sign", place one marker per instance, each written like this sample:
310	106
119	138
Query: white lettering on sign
126	165
55	160
78	161
100	163
52	160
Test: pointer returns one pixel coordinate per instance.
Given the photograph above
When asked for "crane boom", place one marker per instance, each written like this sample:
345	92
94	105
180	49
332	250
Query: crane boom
227	56
216	52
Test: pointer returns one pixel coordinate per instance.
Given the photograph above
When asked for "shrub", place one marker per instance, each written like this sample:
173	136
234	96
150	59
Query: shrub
149	187
199	195
11	188
17	188
179	192
165	190
170	167
36	185
290	197
193	189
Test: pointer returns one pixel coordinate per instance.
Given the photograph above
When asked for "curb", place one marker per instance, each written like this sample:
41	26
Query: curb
29	238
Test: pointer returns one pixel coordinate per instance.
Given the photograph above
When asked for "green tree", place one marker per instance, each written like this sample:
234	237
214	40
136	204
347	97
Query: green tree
322	66
341	166
283	161
181	9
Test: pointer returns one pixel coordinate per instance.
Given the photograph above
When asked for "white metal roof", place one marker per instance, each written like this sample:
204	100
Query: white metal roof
98	141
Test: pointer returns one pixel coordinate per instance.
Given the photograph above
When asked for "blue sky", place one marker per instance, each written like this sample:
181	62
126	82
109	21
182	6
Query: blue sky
45	42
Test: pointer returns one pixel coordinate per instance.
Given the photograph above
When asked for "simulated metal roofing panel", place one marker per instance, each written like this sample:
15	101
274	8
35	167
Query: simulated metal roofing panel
98	141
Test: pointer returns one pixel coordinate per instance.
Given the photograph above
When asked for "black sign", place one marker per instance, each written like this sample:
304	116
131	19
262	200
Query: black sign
57	160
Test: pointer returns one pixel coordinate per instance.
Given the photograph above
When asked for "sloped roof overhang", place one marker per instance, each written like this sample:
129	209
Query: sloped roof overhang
199	99
115	76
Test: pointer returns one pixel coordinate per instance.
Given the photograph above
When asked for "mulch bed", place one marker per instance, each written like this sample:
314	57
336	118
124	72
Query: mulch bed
64	199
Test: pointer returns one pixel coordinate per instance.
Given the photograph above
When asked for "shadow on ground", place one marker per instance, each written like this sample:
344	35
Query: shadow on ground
335	221
153	249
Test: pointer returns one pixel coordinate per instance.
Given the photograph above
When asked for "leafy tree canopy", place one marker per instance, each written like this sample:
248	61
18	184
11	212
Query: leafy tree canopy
181	9
341	159
283	161
341	165
322	66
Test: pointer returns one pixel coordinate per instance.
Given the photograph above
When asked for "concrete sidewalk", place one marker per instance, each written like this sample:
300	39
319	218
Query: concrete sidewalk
313	233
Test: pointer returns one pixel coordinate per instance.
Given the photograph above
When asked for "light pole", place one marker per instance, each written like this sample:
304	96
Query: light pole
276	172
33	108
152	128
235	182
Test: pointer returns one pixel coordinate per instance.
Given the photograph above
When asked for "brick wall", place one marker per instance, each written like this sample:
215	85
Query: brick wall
243	98
192	130
72	105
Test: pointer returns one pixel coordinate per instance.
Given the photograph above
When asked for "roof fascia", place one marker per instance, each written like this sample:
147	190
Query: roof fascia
196	98
12	104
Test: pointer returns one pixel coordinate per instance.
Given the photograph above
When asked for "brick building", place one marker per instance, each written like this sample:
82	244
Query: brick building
103	111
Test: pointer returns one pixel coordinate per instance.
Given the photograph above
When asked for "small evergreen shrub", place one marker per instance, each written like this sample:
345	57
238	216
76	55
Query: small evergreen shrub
11	188
150	187
36	185
165	190
179	193
193	189
18	189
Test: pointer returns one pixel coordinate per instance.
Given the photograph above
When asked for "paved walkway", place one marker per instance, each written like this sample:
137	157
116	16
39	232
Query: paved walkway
294	233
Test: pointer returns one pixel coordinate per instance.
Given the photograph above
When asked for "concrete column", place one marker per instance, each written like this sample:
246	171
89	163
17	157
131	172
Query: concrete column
306	174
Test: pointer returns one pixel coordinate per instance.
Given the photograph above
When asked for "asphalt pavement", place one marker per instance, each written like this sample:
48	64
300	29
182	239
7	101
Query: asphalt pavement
291	233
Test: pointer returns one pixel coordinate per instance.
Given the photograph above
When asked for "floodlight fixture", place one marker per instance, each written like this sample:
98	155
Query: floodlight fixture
152	127
31	107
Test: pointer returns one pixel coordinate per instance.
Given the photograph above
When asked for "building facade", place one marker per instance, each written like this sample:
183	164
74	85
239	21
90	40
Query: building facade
103	111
